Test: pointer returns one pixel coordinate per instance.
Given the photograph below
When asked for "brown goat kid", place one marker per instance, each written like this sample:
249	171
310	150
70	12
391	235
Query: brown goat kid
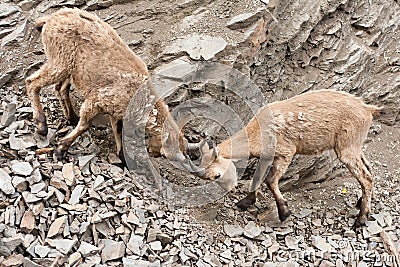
83	50
306	124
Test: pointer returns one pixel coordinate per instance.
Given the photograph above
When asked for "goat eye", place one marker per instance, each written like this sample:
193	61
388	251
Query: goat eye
217	176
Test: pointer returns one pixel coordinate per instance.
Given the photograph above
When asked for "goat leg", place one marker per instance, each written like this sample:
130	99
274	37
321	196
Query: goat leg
46	75
279	167
87	112
359	170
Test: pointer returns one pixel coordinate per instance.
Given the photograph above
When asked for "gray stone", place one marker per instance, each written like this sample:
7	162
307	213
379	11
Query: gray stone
303	213
320	243
36	188
92	5
243	20
68	174
179	69
251	230
12	242
74	258
7	10
156	246
164	238
44	142
22	168
31	248
87	249
19	183
373	227
29	197
57	226
2	34
226	254
76	194
21	143
9	75
127	262
28	240
62	245
198	46
35	177
84	160
42	251
13	261
233	230
28	263
135	243
380	217
27	5
8	115
98	181
112	250
292	242
28	221
14	37
5	183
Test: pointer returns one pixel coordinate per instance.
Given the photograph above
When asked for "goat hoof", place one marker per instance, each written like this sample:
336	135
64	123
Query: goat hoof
42	129
122	158
60	154
284	215
358	204
244	203
358	223
74	120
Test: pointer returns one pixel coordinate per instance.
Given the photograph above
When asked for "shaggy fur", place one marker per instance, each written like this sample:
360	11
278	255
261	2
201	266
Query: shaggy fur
306	124
83	50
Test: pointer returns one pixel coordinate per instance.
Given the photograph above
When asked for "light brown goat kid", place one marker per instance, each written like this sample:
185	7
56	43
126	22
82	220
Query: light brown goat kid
306	124
83	50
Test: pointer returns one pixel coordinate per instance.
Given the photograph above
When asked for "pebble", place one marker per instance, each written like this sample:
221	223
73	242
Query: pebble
156	246
76	194
87	249
8	115
74	258
5	183
13	261
42	251
135	243
57	226
68	174
112	250
251	230
320	243
233	230
84	160
22	168
373	227
28	221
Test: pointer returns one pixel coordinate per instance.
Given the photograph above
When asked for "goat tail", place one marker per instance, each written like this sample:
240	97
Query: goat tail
40	23
375	111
